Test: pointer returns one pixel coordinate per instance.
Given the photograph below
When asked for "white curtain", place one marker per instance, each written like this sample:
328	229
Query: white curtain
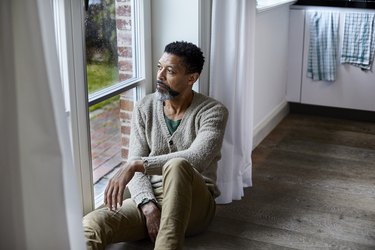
231	82
40	203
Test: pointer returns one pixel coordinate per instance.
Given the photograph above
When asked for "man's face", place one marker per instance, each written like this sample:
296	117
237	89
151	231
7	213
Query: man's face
172	79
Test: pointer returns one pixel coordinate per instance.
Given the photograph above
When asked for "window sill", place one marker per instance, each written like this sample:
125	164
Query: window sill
270	6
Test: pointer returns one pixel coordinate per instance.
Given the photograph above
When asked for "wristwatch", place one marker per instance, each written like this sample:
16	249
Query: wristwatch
145	164
145	201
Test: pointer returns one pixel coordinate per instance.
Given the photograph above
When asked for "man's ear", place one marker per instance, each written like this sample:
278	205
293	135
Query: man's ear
193	78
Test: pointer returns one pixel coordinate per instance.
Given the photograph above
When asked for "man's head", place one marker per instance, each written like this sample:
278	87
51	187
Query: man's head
178	69
191	55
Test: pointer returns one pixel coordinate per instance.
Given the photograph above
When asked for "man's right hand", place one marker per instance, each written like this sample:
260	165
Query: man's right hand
152	214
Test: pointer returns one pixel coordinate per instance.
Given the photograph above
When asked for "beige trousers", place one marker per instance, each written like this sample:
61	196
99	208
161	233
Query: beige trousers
187	208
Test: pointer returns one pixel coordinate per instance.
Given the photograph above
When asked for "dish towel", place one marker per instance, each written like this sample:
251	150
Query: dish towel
322	57
359	42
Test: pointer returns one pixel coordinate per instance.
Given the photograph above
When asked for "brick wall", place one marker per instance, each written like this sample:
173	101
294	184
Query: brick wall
125	66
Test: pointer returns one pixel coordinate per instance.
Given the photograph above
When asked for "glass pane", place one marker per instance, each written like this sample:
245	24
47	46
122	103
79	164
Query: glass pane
109	59
110	130
108	33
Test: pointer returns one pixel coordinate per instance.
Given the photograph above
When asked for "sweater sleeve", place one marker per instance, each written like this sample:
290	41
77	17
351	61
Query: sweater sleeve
140	186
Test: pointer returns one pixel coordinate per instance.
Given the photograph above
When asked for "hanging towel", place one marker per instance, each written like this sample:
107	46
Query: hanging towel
359	42
322	57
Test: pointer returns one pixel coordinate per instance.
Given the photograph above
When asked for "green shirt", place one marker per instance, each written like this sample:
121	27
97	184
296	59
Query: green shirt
171	124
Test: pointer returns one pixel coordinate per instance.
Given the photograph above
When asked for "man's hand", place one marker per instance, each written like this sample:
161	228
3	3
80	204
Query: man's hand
152	214
114	191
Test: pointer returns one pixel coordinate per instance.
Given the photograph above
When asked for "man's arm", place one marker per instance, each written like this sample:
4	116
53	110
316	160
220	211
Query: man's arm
114	191
140	187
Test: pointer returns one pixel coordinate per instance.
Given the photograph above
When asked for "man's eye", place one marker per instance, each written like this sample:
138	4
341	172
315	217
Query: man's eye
170	71
159	67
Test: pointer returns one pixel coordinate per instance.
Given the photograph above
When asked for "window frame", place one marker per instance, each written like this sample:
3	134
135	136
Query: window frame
69	14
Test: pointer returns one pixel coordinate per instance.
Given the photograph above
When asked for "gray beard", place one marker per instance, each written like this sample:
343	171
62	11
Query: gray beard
164	96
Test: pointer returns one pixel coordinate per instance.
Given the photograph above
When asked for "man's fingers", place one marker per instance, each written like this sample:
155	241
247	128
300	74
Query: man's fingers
108	196
106	192
114	196
120	195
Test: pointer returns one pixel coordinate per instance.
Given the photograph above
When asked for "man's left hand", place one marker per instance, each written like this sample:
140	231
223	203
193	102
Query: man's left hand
114	191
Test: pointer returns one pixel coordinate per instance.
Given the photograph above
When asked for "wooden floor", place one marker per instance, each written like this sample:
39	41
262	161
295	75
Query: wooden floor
313	188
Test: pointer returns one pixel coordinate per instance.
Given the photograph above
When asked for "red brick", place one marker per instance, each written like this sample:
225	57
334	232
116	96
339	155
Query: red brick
124	77
125	52
125	153
125	116
126	105
124	24
125	65
125	130
124	10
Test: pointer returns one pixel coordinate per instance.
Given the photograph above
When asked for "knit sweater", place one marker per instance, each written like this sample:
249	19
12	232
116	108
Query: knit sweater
198	139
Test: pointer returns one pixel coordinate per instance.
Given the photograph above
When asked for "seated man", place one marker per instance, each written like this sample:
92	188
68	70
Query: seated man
175	143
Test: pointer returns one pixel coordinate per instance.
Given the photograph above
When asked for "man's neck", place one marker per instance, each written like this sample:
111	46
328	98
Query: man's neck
175	109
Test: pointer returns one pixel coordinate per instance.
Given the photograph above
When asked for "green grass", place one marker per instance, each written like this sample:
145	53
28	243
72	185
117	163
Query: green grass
100	76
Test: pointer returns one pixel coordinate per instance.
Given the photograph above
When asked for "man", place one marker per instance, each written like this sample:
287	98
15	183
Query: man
174	148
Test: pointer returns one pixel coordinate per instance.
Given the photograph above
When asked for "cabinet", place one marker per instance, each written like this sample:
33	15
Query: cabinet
353	88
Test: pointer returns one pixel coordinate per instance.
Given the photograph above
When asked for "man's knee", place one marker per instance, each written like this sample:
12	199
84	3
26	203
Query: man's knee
93	230
177	163
92	223
178	169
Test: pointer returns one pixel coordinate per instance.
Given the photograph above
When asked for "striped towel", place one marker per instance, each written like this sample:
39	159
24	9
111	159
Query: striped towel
359	40
322	57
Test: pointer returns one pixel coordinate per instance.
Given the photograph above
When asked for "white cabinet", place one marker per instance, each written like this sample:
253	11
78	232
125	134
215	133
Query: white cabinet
353	88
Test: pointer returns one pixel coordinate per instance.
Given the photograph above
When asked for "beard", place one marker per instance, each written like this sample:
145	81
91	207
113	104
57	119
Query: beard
164	92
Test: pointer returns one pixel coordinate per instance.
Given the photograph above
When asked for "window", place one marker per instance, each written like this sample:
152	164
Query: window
105	74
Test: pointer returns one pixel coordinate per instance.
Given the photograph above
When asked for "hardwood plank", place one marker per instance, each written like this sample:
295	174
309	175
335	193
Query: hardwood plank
327	201
324	165
229	241
321	149
325	123
280	237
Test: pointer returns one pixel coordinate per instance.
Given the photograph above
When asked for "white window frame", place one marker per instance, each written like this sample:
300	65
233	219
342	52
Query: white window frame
69	15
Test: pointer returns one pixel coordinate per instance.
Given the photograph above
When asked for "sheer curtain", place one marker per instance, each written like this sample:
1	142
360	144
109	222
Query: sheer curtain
40	203
231	82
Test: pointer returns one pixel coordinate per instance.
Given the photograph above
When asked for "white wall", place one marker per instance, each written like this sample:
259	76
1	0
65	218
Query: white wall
271	48
173	21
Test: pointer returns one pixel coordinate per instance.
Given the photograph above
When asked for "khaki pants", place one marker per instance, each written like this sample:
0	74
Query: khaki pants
187	208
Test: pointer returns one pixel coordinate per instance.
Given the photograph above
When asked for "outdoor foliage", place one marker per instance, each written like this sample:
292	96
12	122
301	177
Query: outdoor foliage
101	42
101	47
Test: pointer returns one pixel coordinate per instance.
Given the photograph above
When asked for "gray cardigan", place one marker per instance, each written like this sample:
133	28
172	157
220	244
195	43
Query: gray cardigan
198	139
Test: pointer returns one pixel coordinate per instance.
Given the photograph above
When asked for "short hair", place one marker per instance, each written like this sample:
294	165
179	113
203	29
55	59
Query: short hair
191	55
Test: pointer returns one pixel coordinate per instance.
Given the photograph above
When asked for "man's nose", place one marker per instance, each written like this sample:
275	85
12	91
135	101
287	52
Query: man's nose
161	74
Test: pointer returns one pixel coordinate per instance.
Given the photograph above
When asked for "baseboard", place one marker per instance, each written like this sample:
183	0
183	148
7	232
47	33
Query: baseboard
269	123
333	112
